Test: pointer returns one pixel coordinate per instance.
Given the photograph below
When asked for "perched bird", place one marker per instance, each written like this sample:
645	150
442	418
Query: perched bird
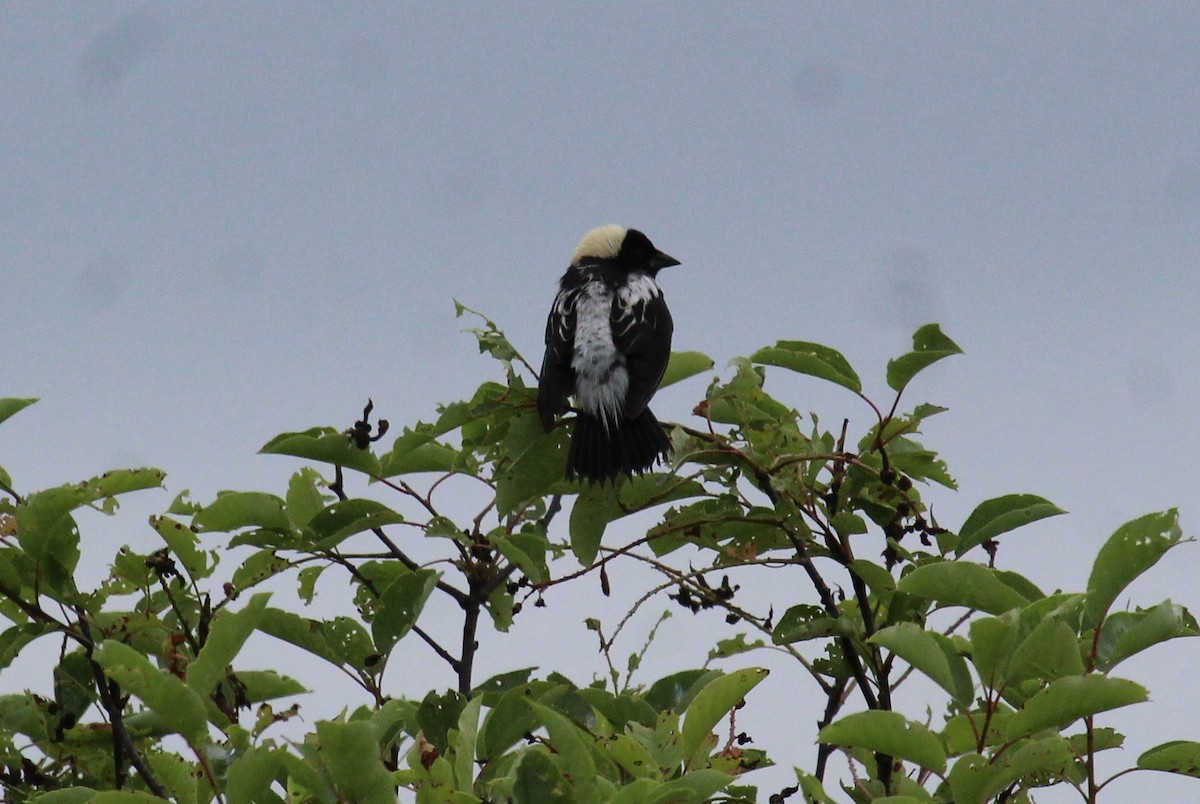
608	339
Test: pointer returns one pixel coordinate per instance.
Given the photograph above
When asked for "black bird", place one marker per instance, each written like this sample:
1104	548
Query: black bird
608	339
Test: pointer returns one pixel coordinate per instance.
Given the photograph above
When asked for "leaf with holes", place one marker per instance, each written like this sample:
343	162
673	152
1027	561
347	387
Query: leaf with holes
812	359
713	703
1000	515
889	733
930	345
1068	699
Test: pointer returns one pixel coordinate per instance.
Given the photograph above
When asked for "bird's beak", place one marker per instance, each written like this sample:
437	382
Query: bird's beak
661	260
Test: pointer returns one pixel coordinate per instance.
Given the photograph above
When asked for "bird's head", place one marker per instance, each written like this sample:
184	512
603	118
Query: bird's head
627	249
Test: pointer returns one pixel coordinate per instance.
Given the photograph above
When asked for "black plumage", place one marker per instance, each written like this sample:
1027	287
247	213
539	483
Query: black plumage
608	340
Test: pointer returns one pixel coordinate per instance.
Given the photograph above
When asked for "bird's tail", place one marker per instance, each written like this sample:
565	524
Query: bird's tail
599	453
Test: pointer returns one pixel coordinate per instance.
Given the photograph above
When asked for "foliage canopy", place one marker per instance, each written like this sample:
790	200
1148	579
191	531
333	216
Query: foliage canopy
151	698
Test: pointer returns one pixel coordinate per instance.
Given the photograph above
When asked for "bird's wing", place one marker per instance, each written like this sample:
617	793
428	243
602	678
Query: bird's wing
642	329
557	380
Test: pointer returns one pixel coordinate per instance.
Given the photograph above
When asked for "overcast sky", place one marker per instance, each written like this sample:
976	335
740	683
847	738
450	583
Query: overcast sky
220	221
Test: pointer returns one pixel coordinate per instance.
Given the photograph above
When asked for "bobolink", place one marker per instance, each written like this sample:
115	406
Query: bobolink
608	339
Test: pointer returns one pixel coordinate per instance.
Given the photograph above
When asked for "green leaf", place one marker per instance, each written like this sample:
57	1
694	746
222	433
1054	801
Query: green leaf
267	685
974	780
251	775
683	365
175	774
183	544
303	782
812	359
527	551
570	744
304	497
68	795
1134	548
508	719
889	733
344	518
1177	756
733	646
180	708
350	751
123	481
430	457
598	505
538	462
340	641
594	508
228	632
807	621
847	524
24	714
45	528
1000	515
1036	760
876	577
243	509
13	405
641	791
464	745
743	403
539	780
971	775
993	640
955	583
257	568
14	639
631	756
910	458
929	346
438	714
306	581
1128	632
1066	700
490	337
74	686
399	607
501	683
694	787
931	653
812	788
1050	651
324	445
711	704
183	505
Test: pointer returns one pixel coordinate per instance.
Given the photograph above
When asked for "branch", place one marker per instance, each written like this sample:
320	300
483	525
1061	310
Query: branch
835	697
8	490
369	585
469	646
110	697
458	595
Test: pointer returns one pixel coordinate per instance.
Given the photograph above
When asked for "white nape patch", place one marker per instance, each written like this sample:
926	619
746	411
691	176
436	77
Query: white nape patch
603	242
601	379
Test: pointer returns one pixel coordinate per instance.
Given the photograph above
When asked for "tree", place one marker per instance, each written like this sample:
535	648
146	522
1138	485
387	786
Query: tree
151	698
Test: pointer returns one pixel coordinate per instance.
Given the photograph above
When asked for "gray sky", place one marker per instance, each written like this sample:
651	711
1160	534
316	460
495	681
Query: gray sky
221	221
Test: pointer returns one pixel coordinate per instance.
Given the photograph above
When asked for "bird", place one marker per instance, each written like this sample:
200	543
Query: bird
608	340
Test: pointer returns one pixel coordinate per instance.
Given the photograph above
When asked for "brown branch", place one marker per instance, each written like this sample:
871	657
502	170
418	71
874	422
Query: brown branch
110	697
458	595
